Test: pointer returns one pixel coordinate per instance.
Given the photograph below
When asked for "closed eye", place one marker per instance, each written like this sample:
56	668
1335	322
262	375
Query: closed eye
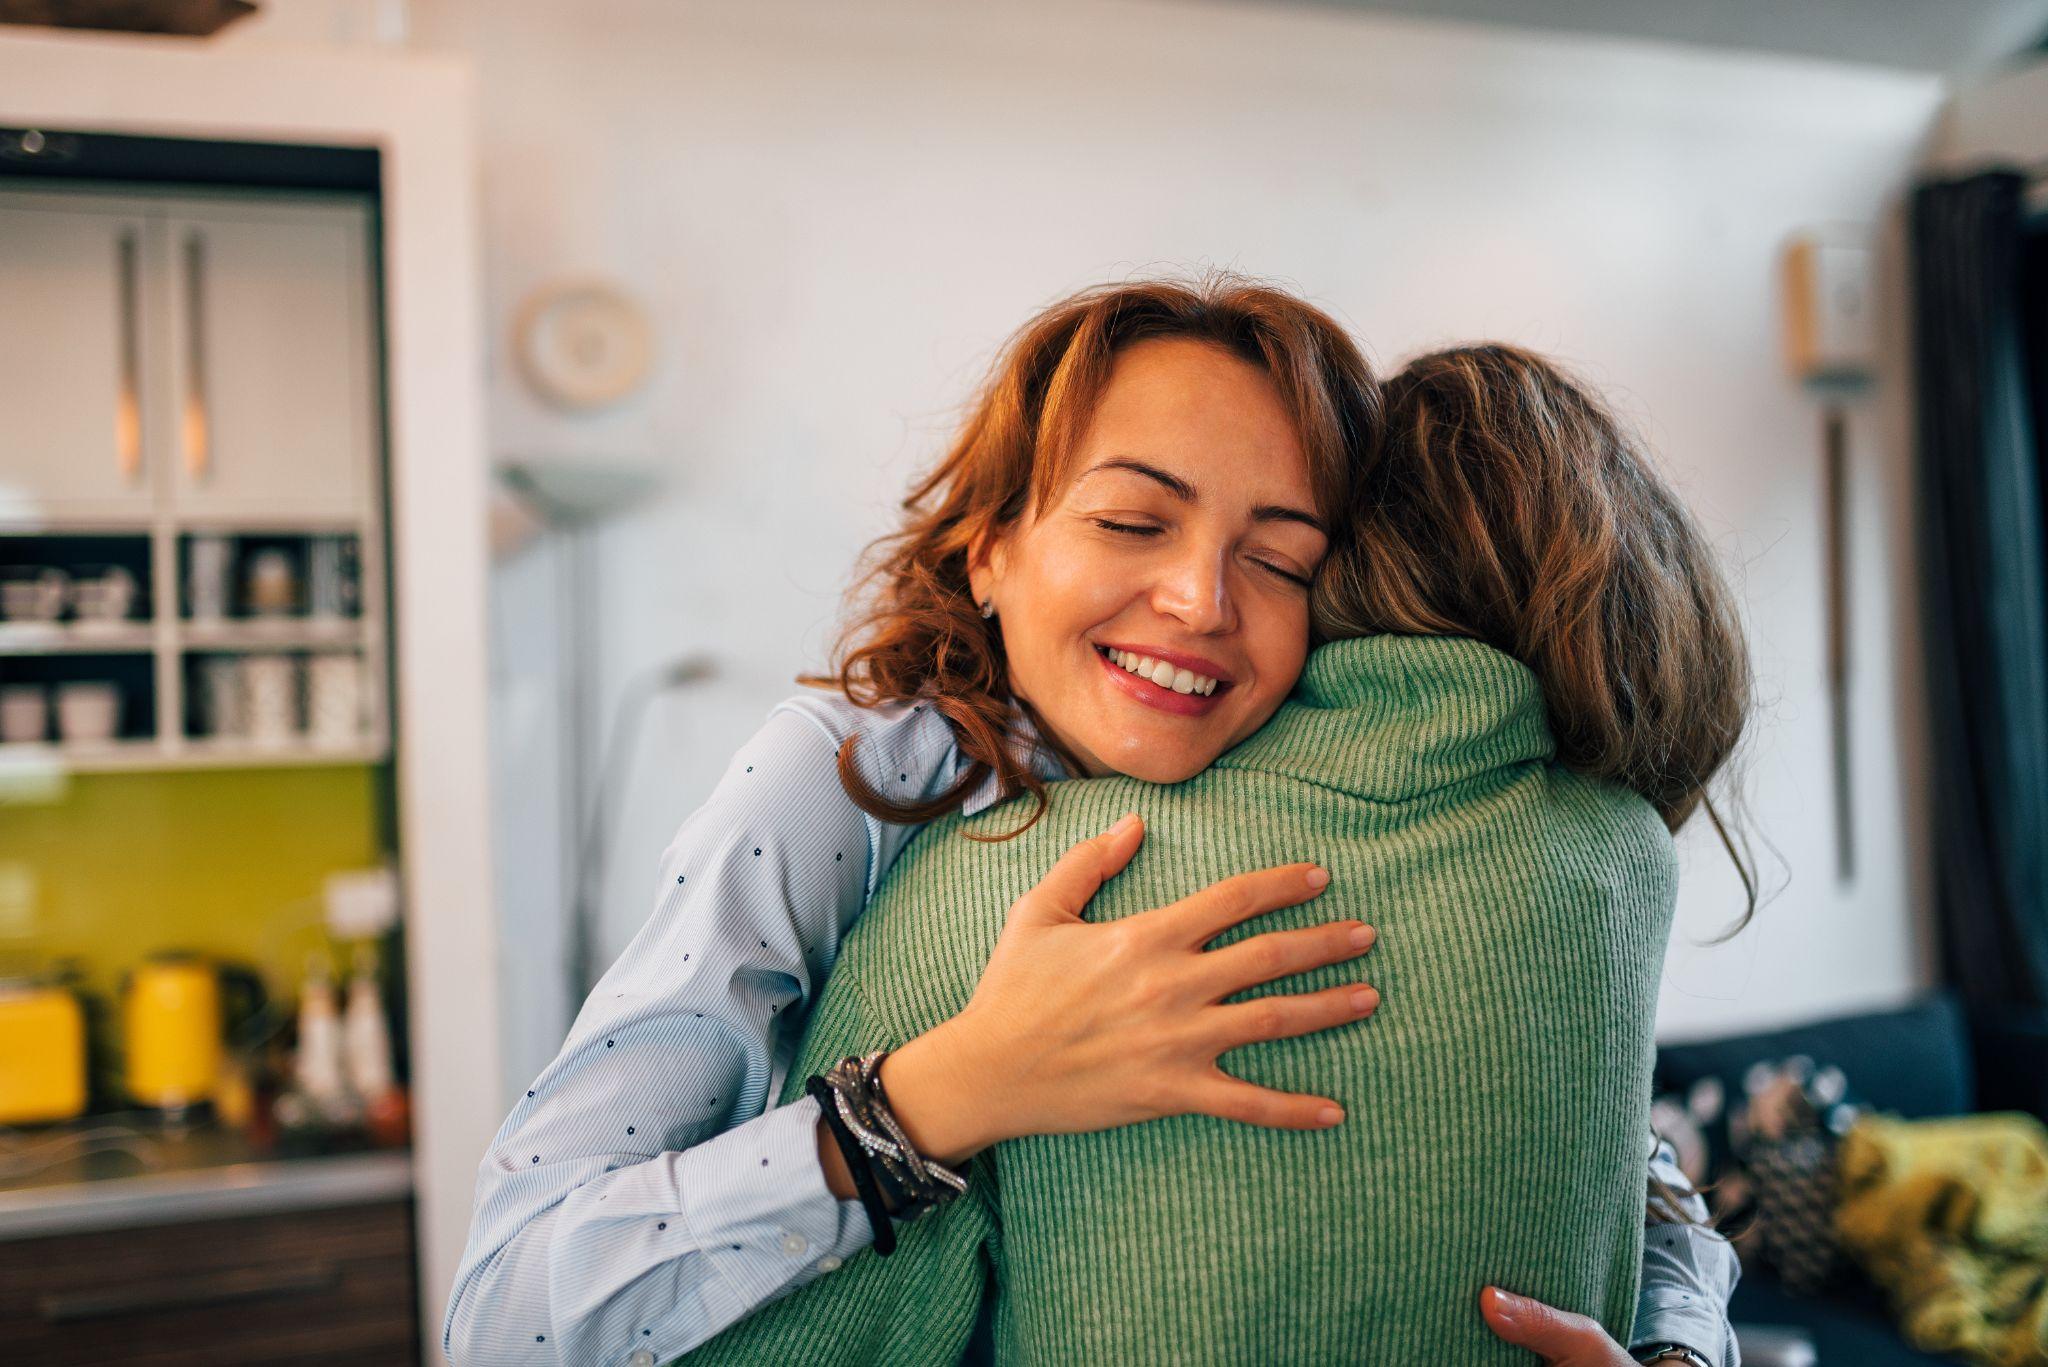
1288	575
1136	529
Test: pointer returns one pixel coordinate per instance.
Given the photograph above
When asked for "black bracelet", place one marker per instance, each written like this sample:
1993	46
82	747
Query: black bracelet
856	1163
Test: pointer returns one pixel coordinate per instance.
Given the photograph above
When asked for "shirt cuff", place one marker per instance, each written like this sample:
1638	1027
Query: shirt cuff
758	1190
1705	1331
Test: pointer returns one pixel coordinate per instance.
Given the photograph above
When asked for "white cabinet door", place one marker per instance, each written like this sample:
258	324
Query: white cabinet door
272	361
72	334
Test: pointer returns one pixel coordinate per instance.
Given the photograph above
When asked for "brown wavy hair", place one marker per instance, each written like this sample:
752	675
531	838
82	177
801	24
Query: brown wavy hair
1508	504
916	632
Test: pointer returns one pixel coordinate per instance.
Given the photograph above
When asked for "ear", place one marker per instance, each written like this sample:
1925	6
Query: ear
987	560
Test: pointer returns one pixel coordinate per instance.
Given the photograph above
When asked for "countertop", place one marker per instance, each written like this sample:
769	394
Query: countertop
118	1172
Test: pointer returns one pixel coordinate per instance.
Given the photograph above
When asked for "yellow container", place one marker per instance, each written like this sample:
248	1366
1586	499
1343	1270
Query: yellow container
42	1055
171	1028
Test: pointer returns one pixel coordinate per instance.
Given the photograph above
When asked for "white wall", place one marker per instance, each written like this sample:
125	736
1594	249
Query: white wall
2003	120
837	212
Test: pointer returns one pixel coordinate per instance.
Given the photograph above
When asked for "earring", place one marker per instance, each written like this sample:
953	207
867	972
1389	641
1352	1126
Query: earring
988	609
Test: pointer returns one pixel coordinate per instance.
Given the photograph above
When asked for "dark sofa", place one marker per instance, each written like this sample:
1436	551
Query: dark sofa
1927	1060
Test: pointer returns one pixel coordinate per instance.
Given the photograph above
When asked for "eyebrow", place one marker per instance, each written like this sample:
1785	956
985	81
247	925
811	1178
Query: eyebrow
1185	492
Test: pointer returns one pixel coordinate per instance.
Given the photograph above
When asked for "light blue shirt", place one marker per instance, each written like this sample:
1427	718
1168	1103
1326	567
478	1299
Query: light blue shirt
642	1196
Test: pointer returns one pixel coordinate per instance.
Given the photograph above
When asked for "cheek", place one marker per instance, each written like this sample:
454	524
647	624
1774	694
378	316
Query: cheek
1278	651
1068	588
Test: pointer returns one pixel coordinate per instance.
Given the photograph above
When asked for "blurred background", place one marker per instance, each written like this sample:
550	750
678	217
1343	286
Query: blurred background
434	432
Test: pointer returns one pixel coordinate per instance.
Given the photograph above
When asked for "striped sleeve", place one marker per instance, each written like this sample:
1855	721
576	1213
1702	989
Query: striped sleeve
642	1196
1689	1272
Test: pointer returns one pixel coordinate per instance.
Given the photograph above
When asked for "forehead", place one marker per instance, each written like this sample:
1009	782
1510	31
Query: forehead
1196	409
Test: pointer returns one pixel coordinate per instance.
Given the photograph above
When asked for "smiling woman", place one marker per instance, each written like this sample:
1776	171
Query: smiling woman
1155	469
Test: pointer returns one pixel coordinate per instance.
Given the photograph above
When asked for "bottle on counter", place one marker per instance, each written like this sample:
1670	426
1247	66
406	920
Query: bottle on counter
366	1040
319	1070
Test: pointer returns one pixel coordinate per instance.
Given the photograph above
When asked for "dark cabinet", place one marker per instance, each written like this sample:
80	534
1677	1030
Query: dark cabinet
303	1287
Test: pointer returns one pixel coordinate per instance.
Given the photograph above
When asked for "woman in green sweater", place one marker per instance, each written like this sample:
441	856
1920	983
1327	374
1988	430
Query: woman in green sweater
1155	475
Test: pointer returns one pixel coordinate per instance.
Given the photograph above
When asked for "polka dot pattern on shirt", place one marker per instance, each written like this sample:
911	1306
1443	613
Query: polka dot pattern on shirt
800	808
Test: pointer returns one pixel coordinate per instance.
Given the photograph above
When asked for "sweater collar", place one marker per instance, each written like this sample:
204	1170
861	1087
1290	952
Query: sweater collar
1380	717
1387	718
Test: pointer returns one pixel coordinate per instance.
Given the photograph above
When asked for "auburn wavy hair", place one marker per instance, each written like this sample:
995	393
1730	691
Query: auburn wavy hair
915	631
1506	503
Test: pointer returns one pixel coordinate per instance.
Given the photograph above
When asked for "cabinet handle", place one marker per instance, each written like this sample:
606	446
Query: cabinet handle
185	1293
128	406
198	441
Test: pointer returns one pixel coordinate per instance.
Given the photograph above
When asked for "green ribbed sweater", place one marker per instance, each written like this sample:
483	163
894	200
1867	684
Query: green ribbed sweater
1496	1104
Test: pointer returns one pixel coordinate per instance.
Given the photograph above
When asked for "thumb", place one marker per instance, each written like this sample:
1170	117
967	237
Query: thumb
1560	1338
1080	873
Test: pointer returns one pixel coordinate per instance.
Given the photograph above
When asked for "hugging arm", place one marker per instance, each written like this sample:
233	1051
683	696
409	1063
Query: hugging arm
640	1195
915	1308
1689	1270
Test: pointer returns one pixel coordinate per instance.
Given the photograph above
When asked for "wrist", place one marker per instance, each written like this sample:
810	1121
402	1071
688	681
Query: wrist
938	1093
1669	1353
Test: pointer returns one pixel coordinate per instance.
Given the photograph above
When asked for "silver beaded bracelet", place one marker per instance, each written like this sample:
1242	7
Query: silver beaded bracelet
913	1182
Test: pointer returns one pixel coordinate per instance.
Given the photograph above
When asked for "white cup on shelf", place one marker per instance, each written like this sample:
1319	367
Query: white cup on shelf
334	700
270	688
208	570
24	714
223	702
30	593
104	600
88	712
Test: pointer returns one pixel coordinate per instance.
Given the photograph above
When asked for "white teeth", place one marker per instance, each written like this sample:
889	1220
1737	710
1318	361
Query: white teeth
1162	673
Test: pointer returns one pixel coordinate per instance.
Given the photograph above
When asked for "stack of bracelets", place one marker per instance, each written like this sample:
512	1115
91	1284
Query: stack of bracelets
892	1177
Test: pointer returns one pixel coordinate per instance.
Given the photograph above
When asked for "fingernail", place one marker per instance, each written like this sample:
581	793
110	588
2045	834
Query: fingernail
1364	999
1362	936
1505	1305
1318	877
1129	820
1330	1115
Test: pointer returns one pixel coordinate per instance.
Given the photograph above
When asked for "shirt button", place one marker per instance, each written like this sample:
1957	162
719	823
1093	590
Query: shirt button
643	1358
793	1244
828	1262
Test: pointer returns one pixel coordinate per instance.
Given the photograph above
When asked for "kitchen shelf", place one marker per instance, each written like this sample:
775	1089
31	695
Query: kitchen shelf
245	754
130	756
279	633
100	757
72	638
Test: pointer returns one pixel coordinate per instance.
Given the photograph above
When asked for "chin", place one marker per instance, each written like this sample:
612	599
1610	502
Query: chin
1155	768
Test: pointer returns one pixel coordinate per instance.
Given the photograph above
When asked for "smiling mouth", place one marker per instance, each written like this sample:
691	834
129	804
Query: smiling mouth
1163	673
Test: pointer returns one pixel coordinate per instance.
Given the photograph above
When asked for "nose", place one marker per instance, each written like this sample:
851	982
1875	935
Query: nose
1194	587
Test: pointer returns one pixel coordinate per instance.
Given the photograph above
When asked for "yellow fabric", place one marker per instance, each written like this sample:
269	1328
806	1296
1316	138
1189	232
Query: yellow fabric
1951	1218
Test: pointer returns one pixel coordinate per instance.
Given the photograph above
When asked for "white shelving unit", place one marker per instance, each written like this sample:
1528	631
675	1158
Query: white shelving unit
212	370
419	110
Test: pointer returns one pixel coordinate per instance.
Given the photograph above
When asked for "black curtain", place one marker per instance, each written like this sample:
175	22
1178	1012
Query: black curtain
1981	355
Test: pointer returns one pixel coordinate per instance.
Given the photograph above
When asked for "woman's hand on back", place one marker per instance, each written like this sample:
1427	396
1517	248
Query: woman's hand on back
1077	1026
1558	1337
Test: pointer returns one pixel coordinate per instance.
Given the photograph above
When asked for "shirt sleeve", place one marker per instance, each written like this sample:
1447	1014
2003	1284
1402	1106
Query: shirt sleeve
641	1196
1689	1272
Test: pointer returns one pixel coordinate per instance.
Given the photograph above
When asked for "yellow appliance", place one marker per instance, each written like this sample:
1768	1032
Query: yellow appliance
42	1054
171	1029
